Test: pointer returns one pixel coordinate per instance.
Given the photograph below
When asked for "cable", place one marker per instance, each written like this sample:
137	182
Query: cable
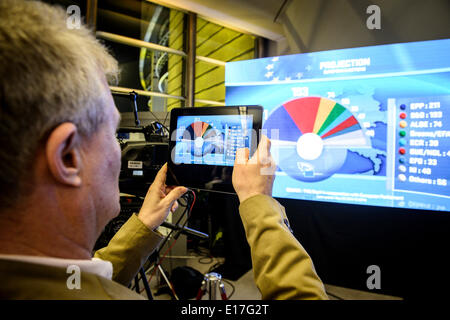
164	127
187	211
165	119
181	217
279	11
158	121
214	266
204	255
170	233
206	259
161	260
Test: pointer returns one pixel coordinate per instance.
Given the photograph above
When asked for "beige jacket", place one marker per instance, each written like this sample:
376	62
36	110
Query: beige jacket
281	266
127	251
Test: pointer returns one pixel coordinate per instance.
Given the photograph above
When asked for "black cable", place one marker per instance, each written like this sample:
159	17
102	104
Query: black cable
186	210
183	204
214	266
203	254
158	121
206	259
279	11
164	127
164	241
166	118
188	213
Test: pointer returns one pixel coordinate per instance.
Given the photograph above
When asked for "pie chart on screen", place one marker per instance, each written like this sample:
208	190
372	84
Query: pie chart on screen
203	139
311	136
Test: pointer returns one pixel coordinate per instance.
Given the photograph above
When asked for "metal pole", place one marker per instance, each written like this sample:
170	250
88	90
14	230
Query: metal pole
91	14
190	61
144	93
260	47
211	60
136	43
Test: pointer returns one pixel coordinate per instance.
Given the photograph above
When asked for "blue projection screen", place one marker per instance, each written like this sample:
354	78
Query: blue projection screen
366	125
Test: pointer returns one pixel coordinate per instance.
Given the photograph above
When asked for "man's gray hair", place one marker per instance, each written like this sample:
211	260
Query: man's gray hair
49	74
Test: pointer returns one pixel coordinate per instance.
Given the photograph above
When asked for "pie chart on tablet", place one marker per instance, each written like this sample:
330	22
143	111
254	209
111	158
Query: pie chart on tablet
311	137
203	139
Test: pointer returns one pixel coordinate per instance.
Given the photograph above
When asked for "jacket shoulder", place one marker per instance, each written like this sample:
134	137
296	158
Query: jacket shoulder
23	280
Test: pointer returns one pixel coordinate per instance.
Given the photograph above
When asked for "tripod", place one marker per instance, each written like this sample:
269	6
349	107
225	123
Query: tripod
211	282
157	262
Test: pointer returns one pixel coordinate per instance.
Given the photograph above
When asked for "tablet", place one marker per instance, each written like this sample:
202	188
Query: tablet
203	144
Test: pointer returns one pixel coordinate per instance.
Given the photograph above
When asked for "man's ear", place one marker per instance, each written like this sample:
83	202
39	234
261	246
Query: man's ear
63	154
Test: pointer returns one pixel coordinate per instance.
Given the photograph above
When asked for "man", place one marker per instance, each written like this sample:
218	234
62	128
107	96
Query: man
60	164
59	171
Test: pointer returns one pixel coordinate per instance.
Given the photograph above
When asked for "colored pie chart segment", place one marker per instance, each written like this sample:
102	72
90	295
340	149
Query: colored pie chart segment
203	139
310	137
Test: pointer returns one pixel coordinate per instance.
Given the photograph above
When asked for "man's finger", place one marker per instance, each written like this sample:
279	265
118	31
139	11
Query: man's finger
160	179
174	195
242	155
262	154
169	188
261	151
264	146
174	206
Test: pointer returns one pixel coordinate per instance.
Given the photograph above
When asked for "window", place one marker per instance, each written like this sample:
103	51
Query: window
150	43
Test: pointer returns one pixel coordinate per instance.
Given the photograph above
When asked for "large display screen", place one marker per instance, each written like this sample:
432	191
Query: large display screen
212	139
366	125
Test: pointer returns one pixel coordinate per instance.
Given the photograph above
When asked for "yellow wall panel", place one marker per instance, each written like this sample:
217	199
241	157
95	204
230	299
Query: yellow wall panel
175	64
216	93
223	44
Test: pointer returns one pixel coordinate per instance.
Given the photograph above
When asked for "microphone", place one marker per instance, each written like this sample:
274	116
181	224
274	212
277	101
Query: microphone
185	230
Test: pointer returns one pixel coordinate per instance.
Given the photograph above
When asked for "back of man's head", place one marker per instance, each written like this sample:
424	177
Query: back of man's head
49	74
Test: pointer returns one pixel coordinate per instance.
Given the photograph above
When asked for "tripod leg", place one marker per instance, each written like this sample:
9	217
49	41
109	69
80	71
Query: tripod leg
201	291
223	293
146	285
167	281
212	289
136	284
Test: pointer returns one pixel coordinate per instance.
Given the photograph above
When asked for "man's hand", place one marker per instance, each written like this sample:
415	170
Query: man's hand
254	176
159	201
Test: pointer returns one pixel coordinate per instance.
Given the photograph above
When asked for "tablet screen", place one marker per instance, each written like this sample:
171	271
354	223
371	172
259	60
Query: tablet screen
203	144
211	139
